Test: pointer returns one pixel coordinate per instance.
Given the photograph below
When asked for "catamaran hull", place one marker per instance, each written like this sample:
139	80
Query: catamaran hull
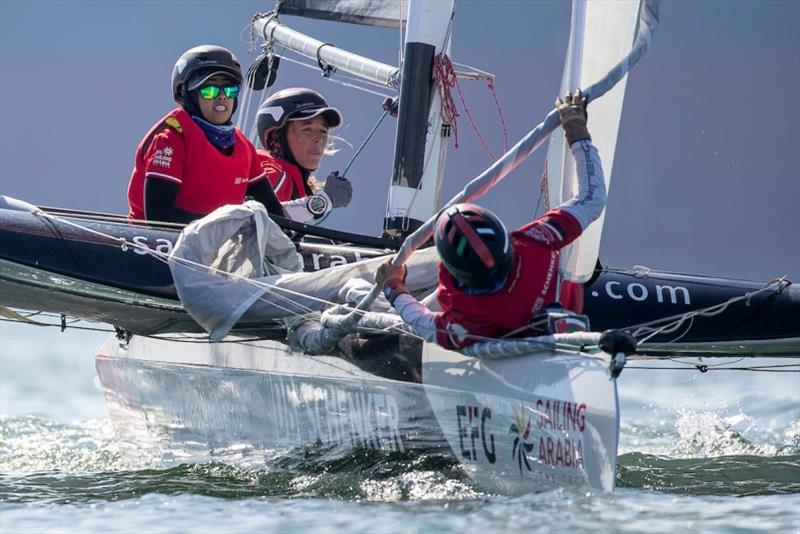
541	421
525	424
85	265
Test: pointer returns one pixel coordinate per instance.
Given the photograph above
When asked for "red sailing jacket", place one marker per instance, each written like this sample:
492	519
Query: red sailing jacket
176	149
286	180
530	286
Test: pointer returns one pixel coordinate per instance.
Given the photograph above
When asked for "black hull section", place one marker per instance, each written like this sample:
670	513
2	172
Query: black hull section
621	299
144	292
84	252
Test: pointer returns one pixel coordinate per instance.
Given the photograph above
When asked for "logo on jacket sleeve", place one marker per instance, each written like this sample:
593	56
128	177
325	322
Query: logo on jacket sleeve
163	157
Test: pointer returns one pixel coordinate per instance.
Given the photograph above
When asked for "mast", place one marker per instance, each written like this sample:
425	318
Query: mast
420	143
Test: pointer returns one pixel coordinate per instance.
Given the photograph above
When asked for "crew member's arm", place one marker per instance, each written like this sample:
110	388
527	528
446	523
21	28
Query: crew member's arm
164	165
450	330
336	193
415	314
562	225
260	188
159	202
261	191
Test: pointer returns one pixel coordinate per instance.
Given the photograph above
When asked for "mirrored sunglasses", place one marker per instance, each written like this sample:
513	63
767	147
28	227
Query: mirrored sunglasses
210	92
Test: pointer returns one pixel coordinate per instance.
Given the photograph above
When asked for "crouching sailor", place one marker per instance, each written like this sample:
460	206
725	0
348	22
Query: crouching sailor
492	283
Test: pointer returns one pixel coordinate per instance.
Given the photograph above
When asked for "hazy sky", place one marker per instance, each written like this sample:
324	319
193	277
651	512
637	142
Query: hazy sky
707	170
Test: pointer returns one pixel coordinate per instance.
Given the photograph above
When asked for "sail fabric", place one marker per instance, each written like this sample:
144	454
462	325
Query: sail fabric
230	243
221	280
602	33
530	142
384	13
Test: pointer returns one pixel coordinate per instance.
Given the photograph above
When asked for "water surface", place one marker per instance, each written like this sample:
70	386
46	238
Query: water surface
716	451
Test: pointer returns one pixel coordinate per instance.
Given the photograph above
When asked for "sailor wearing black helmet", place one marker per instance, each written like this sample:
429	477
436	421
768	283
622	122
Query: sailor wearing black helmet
194	160
293	126
492	283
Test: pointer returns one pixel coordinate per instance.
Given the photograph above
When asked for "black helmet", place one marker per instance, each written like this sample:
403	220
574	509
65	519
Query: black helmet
200	63
473	245
294	103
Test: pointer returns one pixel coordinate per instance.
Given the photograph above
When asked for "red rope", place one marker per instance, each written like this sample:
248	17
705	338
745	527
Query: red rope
490	83
445	76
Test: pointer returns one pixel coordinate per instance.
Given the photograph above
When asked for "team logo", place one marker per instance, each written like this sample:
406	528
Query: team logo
163	157
521	447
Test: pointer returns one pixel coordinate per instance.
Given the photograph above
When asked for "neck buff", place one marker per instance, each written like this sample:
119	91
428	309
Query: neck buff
221	136
474	291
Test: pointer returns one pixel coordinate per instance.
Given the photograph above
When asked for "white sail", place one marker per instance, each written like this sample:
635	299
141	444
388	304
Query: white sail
602	32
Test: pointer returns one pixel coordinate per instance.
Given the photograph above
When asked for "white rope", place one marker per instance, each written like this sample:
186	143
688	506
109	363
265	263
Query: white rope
646	332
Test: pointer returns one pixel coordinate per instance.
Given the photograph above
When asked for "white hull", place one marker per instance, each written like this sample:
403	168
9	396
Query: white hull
247	401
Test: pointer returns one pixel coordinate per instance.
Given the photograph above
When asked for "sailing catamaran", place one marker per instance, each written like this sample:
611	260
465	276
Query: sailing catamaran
519	415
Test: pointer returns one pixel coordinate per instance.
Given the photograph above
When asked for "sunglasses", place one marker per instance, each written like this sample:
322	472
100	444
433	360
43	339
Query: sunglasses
210	92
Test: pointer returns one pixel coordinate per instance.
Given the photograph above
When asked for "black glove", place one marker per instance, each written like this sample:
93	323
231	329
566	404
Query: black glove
573	115
338	189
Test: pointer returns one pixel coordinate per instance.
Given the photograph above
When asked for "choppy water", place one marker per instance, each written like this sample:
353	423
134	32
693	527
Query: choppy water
714	452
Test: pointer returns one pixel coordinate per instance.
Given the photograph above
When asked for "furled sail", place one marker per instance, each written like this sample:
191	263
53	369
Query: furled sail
602	32
220	279
386	13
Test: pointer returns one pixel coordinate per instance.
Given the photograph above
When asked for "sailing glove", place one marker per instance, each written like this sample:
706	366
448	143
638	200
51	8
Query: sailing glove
573	115
392	279
339	190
